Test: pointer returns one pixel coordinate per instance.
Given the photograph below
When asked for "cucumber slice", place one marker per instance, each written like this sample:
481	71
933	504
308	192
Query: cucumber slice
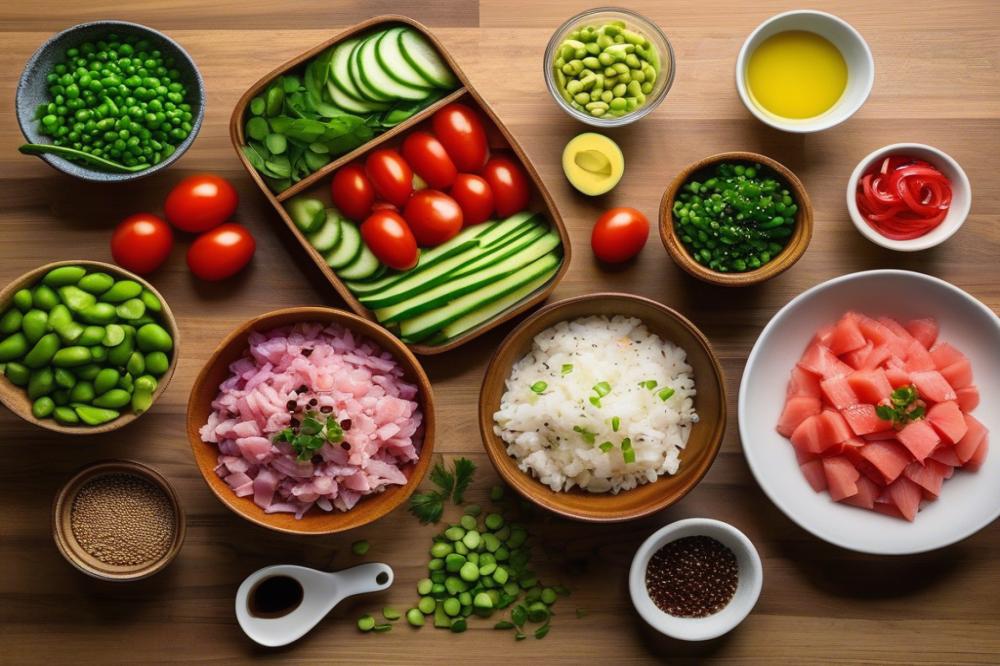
494	308
421	281
382	270
354	68
348	103
424	58
440	295
392	61
500	251
340	72
328	236
307	213
504	229
347	249
432	321
377	78
363	266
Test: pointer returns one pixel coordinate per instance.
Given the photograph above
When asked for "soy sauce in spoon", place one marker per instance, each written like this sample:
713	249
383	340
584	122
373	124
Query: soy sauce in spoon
275	596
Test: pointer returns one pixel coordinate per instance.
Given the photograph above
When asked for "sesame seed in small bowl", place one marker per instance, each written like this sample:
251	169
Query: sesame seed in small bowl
695	579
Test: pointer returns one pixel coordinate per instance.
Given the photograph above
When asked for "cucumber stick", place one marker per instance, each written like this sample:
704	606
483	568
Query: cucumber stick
493	308
431	298
428	323
504	229
499	252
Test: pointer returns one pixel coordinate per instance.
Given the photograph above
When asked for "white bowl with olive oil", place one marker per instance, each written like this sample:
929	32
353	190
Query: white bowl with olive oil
804	71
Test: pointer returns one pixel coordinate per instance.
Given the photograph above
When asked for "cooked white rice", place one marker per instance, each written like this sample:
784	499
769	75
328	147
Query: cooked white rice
556	433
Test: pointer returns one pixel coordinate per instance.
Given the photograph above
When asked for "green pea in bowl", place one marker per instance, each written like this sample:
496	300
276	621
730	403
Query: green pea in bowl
608	67
84	353
109	101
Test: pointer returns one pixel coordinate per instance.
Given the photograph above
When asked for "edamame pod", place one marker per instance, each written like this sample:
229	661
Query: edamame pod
43	351
116	398
65	415
40	383
42	407
121	291
17	373
100	313
92	335
96	283
151	302
44	298
34	324
68	357
157	363
23	300
13	347
58	317
76	299
11	321
87	372
105	380
118	356
64	275
98	353
82	392
113	335
153	337
136	363
131	309
125	382
64	378
95	416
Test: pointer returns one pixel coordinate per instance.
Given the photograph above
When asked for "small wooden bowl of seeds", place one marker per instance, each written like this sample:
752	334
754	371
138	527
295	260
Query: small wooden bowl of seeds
118	520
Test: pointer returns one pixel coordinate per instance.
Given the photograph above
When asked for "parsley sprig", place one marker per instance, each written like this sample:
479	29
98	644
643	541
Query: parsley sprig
452	483
903	408
311	434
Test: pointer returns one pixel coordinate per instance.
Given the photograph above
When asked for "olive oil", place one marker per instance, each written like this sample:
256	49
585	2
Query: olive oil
796	74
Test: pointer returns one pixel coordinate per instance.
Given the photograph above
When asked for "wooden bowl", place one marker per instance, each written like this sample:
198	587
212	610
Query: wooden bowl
792	251
216	370
74	553
703	443
318	183
15	398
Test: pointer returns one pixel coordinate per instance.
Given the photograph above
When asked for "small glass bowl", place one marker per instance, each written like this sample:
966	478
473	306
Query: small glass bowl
634	22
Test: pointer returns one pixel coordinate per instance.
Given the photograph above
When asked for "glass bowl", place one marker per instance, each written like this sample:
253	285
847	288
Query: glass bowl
635	23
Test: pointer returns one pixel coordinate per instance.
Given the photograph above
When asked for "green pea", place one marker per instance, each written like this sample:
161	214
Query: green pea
13	347
44	298
122	291
64	275
83	391
64	378
68	357
35	323
76	299
96	283
65	415
131	309
11	321
99	313
92	335
153	337
23	300
43	407
17	373
116	398
151	302
41	382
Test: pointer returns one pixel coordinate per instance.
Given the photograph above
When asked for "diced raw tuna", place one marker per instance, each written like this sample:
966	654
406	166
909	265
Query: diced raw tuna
821	362
833	429
841	477
803	383
897	377
868	490
945	454
875	331
918	358
929	475
888	457
806	437
944	355
823	336
797	409
863	420
877	358
906	495
976	461
813	471
924	330
870	386
898	329
958	374
919	438
838	392
879	436
948	420
968	398
888	508
966	447
856	358
932	386
846	335
848	446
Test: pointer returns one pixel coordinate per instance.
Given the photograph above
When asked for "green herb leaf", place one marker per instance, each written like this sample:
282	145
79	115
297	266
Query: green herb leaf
443	479
885	412
567	368
665	394
464	469
310	425
427	506
587	435
519	615
539	387
602	388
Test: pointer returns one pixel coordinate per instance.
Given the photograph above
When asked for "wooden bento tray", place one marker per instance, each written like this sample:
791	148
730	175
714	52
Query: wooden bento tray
541	199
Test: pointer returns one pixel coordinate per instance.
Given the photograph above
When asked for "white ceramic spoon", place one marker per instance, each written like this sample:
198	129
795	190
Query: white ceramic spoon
321	592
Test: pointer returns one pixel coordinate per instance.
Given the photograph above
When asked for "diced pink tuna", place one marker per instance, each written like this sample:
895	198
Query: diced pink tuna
888	457
821	362
924	330
944	355
958	374
841	477
877	358
868	490
919	438
870	386
948	420
930	475
803	383
838	392
856	358
897	377
813	471
807	437
863	419
945	454
918	358
906	495
932	386
833	429
846	336
966	447
797	409
976	460
968	398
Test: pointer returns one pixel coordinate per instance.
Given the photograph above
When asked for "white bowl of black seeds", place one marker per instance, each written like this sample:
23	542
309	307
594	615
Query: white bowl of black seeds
695	579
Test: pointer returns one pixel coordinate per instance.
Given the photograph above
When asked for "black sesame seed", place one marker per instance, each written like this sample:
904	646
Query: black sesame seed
692	576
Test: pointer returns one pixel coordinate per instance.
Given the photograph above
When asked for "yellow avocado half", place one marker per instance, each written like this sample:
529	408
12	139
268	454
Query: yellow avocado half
593	163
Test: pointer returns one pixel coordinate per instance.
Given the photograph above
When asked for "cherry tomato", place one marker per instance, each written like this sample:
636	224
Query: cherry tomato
474	196
433	216
429	160
461	132
141	243
198	203
387	236
351	191
221	252
619	234
509	182
390	175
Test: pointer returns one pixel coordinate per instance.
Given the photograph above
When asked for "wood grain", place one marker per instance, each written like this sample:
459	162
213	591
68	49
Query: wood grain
937	82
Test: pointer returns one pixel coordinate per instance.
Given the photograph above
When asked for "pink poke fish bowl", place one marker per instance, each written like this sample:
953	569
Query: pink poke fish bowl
368	508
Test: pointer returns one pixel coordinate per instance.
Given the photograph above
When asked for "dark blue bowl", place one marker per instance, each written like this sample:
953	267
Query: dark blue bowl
32	91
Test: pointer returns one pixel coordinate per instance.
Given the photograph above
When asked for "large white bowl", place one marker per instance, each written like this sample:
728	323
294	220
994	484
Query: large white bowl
961	196
969	500
840	33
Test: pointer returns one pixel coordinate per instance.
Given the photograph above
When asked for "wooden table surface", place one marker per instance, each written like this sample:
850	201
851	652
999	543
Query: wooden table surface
938	82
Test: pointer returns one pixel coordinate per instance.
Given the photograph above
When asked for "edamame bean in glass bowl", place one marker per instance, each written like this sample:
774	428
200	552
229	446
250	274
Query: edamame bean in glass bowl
608	67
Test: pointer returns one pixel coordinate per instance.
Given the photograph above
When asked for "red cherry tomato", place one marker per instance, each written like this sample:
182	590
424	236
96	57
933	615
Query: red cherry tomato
141	243
619	234
221	252
433	216
390	175
509	182
461	132
198	203
474	196
387	236
429	160
351	191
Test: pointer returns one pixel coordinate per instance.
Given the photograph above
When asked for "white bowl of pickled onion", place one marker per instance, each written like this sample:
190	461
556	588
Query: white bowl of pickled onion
958	209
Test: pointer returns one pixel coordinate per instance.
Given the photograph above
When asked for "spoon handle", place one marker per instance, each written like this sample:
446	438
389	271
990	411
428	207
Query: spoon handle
363	578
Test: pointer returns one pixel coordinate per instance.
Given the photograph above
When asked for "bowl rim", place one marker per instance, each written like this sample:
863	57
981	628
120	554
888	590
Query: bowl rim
921	242
356	324
797	243
496	452
167	319
627	118
88	173
666	624
61	504
789	126
769	328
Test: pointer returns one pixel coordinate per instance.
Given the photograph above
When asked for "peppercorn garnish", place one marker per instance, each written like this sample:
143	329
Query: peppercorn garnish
693	576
